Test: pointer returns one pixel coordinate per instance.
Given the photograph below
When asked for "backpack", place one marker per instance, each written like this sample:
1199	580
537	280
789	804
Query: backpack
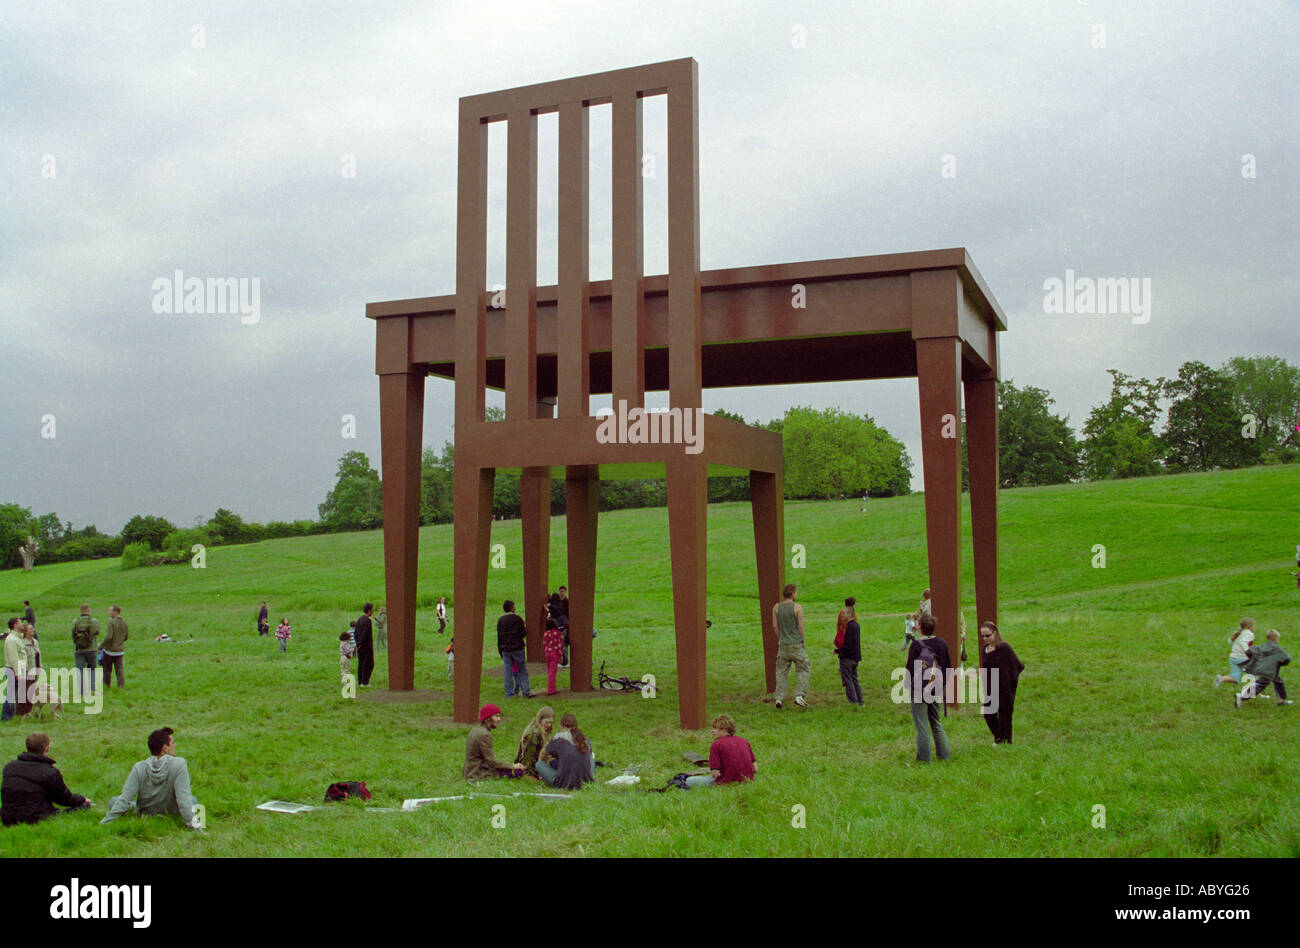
346	788
83	636
931	670
677	781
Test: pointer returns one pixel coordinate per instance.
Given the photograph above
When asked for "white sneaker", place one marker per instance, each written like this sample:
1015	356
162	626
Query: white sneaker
1237	700
778	706
798	699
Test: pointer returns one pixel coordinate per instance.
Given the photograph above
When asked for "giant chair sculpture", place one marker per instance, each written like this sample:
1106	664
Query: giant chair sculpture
925	314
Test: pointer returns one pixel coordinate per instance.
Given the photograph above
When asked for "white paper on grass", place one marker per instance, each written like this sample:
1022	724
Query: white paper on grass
545	796
623	780
284	806
415	804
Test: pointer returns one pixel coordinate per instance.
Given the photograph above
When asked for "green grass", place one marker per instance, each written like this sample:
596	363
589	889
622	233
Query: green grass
1115	709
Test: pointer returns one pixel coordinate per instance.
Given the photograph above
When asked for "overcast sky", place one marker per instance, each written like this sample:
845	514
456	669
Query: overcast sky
1103	137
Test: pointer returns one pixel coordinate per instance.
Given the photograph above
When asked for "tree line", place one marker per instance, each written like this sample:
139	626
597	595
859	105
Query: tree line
1245	412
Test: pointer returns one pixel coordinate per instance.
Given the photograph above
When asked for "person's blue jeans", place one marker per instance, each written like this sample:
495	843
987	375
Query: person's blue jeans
925	716
700	780
10	694
86	665
516	680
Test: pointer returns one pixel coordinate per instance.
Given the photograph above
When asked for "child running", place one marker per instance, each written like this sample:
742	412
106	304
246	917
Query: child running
1265	663
284	635
1241	641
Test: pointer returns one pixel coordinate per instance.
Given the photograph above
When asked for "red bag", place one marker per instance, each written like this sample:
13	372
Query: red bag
346	788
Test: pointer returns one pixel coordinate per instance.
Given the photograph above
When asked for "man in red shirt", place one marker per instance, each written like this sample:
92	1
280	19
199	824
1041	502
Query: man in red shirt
731	759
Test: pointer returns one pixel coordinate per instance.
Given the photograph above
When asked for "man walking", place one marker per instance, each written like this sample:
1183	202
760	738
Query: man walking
263	620
85	641
114	646
29	614
365	646
511	632
787	622
442	614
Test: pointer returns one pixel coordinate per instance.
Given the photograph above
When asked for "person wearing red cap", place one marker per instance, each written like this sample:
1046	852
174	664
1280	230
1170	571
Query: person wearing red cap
480	762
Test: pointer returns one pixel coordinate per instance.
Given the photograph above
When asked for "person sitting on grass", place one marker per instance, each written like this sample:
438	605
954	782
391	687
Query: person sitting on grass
731	759
1241	641
534	738
480	762
568	761
284	634
32	785
158	785
1265	663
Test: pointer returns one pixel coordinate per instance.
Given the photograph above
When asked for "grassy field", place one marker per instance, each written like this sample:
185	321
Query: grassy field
1115	709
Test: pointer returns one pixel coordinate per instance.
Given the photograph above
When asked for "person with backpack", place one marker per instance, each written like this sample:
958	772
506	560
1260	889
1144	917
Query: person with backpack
849	650
928	662
85	641
1004	670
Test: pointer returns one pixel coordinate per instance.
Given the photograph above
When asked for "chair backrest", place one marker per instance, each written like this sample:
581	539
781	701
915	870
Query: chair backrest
623	89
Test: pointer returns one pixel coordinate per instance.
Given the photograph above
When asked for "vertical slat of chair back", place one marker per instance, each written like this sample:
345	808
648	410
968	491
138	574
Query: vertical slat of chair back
572	98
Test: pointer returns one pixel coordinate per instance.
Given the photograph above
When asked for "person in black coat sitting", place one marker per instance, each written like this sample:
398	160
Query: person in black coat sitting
1004	669
31	785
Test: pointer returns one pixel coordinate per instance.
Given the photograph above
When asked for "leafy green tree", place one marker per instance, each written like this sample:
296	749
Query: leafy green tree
1035	446
1267	388
832	453
144	529
1203	431
226	526
722	489
356	500
436	485
16	525
1119	435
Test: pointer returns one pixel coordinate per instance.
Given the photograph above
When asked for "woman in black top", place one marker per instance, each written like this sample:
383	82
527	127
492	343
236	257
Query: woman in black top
850	654
1004	670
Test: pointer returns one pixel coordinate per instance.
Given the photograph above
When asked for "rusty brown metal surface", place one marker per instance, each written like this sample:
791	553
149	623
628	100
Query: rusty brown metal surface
924	314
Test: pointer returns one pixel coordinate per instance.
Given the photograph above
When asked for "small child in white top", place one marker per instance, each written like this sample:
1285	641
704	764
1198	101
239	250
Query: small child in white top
346	649
1241	641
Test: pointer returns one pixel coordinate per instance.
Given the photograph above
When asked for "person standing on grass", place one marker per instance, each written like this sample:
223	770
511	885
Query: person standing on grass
381	628
1241	641
928	662
850	653
263	620
553	647
15	667
442	614
1265	663
32	785
365	640
114	646
511	633
842	620
346	648
158	785
29	614
33	647
1003	676
731	759
85	639
535	737
924	608
284	634
787	622
480	762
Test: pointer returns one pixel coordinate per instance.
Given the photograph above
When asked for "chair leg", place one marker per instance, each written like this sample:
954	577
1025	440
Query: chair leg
472	535
767	502
687	533
938	363
535	516
982	449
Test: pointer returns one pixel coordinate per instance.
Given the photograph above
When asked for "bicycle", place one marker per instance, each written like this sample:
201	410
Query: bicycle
621	683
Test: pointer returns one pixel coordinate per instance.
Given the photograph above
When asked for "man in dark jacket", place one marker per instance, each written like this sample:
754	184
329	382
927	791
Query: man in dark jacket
850	654
928	664
510	646
365	646
29	614
31	785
